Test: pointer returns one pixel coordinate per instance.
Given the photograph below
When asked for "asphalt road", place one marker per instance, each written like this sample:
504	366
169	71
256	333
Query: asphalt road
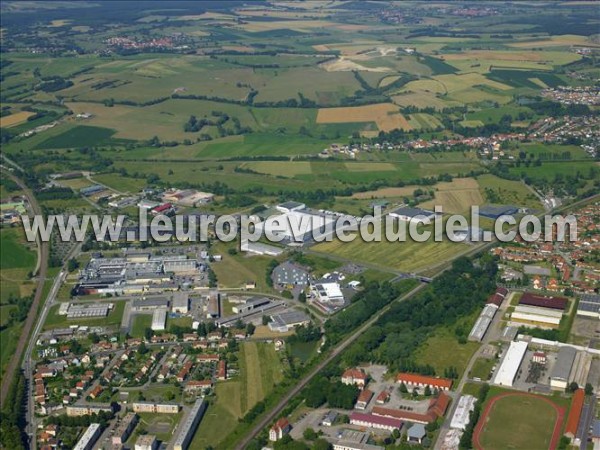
304	381
44	252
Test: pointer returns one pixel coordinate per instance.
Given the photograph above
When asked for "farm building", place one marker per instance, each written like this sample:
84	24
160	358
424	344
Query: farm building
483	322
378	422
559	378
416	215
494	212
533	316
589	306
159	319
412	380
461	416
510	364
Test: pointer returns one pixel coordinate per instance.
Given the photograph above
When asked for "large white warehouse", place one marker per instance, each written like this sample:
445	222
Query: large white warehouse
510	364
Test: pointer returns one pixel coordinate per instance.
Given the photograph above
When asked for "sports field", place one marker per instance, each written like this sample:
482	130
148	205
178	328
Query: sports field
535	423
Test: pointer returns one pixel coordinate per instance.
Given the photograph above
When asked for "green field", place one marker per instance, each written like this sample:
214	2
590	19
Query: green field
507	192
139	324
531	422
260	370
482	368
14	254
79	136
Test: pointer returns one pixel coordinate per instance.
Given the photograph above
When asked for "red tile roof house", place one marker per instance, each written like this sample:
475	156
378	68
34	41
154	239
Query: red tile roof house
382	398
222	370
355	376
279	429
412	380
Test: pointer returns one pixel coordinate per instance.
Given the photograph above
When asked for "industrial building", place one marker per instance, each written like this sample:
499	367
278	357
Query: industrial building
461	416
510	363
213	308
188	427
483	322
288	274
283	322
297	225
88	311
559	377
415	215
250	304
258	248
181	303
589	306
542	301
149	304
327	292
159	319
534	316
231	320
89	438
494	212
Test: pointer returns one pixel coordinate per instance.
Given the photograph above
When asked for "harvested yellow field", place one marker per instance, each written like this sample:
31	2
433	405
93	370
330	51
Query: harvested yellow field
296	25
456	196
385	115
15	119
423	100
434	86
321	48
59	23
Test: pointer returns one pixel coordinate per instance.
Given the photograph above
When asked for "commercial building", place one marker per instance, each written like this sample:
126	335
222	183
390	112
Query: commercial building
589	306
146	442
461	416
510	363
258	248
189	425
159	319
124	429
297	225
559	377
158	408
285	321
494	212
250	304
416	215
377	422
89	438
483	322
349	439
287	207
413	380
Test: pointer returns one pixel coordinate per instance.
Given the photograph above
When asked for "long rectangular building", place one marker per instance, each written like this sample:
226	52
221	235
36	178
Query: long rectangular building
535	316
510	364
189	426
483	322
560	375
88	439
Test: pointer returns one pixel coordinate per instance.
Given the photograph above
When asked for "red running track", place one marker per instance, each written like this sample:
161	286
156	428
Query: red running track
560	414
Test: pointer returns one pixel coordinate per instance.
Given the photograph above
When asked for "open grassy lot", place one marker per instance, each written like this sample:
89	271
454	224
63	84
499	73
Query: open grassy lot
532	420
406	256
139	324
549	169
17	259
280	168
160	425
79	136
482	368
507	192
442	349
260	370
121	183
456	196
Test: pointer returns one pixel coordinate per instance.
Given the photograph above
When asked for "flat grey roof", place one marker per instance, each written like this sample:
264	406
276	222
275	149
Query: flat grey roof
411	212
564	363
